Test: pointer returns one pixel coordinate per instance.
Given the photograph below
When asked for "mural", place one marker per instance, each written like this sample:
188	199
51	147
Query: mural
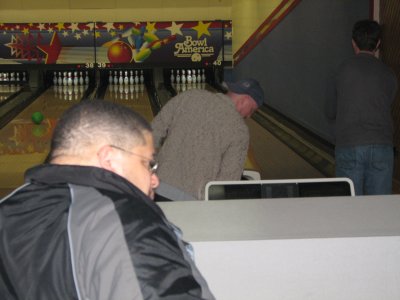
108	44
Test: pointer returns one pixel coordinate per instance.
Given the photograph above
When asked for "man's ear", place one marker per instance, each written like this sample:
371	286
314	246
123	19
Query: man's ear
355	47
105	158
378	44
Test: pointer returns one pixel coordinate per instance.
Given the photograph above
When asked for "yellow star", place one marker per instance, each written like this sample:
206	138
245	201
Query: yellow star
175	28
120	27
60	26
97	35
113	33
25	31
151	27
202	28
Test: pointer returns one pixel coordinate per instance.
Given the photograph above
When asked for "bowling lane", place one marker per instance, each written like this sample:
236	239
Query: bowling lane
8	90
134	96
24	144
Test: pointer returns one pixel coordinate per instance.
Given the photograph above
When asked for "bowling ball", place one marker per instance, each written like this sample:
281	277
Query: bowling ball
119	52
37	117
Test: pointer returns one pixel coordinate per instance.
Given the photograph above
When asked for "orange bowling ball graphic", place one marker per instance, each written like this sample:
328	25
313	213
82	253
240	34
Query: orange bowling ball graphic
119	52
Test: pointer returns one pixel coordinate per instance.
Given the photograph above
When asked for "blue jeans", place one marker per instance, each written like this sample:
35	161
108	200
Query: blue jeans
370	167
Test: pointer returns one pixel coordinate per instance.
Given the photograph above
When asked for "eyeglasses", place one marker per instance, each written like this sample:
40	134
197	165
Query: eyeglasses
153	164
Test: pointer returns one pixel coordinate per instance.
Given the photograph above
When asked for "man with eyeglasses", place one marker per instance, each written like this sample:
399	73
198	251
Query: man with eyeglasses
83	226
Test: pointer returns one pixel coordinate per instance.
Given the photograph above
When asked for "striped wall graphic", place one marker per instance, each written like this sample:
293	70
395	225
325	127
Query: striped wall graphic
270	23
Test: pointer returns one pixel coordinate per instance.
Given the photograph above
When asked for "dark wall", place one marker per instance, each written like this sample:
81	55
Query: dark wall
296	61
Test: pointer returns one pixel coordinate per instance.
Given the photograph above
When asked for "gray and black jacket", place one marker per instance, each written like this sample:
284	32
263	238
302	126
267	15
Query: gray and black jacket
74	232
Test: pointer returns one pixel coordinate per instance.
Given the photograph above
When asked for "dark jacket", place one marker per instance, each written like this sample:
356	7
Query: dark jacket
365	91
74	232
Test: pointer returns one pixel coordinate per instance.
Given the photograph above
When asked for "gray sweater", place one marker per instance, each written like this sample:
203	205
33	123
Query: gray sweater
201	137
365	90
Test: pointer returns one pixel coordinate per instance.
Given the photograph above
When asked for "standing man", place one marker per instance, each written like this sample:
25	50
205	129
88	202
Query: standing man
83	226
202	136
365	90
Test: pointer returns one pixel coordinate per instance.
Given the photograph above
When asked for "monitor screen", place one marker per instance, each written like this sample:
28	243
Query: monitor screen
230	190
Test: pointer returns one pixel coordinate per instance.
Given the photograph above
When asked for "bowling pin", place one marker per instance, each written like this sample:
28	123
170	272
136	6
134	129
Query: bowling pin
69	80
172	77
87	79
131	79
198	75
110	78
189	77
120	78
55	79
183	77
136	77
65	80
76	79
194	79
60	80
126	78
141	79
203	76
81	78
178	77
23	76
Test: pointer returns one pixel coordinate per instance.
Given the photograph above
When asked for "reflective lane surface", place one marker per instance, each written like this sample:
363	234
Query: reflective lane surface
134	96
23	143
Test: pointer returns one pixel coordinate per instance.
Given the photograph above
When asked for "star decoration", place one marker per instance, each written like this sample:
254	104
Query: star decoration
14	45
74	27
97	35
202	29
90	25
113	33
65	33
77	36
109	26
175	28
60	26
25	30
228	35
121	27
151	27
85	32
41	27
